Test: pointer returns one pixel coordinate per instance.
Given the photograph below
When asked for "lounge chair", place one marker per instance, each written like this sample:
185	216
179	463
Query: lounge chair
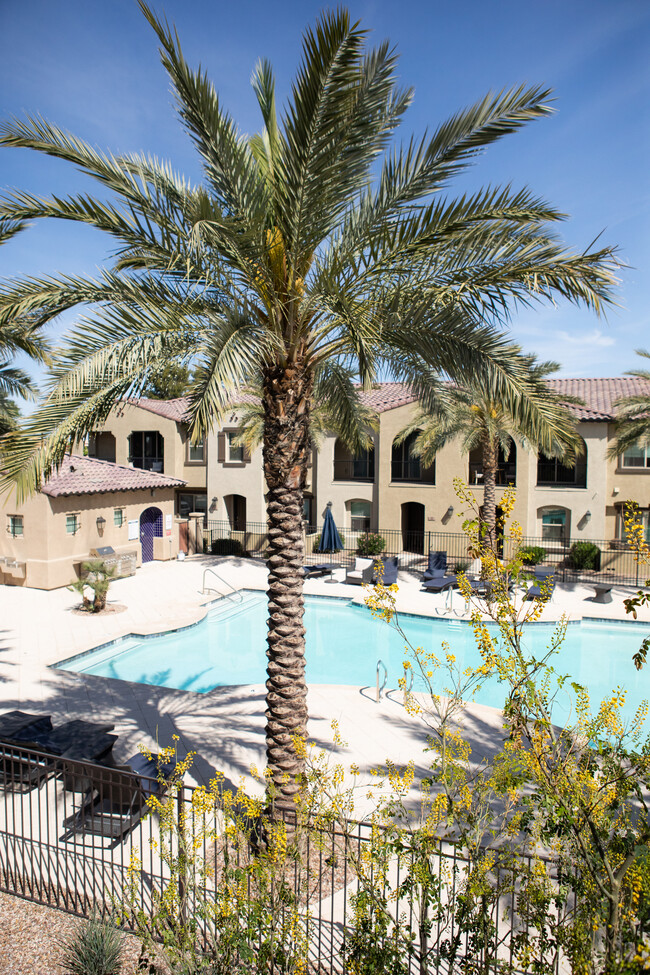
116	798
362	572
323	568
440	582
23	768
388	574
544	585
437	564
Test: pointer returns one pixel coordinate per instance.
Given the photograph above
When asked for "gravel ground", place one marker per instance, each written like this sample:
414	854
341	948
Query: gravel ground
28	938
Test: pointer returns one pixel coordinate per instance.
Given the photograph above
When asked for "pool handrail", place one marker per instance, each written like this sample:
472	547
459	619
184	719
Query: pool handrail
380	663
408	683
205	590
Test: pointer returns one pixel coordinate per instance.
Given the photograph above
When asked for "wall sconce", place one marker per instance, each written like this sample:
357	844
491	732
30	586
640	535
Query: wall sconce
329	504
450	510
587	515
101	522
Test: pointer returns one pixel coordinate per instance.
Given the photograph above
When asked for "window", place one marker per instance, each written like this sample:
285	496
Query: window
353	467
360	516
15	526
196	452
506	470
308	509
551	472
72	524
146	450
637	457
235	453
644	515
118	517
554	525
406	467
188	503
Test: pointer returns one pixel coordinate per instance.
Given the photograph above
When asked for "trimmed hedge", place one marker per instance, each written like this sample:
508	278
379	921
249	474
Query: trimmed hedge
584	555
226	546
532	554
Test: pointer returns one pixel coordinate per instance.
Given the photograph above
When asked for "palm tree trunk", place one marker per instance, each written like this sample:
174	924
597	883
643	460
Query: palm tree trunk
490	465
287	394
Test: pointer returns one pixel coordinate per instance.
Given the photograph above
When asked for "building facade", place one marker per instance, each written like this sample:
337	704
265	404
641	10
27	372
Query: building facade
389	490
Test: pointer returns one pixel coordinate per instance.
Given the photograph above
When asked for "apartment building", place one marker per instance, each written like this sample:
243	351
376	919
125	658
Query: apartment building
385	488
152	435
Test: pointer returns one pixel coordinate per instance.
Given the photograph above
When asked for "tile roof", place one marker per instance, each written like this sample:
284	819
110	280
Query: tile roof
599	395
87	475
171	409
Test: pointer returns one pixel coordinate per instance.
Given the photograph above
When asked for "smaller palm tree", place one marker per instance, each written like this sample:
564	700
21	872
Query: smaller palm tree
479	419
633	415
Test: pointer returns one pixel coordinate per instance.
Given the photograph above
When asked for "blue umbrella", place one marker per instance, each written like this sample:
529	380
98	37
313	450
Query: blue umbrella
330	540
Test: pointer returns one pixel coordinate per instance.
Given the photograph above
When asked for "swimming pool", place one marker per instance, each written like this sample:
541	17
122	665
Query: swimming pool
344	643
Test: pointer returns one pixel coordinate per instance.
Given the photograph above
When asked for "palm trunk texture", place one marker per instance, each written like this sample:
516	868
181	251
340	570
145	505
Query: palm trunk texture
287	395
490	463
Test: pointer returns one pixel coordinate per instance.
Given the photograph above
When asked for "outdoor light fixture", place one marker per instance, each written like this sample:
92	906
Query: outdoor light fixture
101	521
329	504
587	515
450	509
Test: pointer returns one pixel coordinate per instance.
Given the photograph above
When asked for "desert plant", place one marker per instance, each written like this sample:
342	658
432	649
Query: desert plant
95	948
460	567
532	554
96	577
227	546
370	544
584	555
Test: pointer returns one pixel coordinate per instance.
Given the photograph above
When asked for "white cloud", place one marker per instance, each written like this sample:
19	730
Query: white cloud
595	338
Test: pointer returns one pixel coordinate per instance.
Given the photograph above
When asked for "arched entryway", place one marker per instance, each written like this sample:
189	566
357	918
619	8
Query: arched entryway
151	526
236	511
413	527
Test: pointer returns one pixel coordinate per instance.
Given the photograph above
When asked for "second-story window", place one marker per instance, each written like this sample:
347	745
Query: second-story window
353	467
235	451
196	452
407	467
147	450
551	472
506	472
637	458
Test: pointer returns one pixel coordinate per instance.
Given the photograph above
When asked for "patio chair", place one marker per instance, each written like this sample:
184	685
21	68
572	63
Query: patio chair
24	767
439	583
323	568
437	566
544	585
115	802
361	573
388	574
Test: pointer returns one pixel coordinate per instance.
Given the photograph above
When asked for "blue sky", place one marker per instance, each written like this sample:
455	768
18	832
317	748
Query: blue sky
92	66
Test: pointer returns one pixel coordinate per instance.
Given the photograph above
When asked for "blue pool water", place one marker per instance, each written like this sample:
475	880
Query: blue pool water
344	643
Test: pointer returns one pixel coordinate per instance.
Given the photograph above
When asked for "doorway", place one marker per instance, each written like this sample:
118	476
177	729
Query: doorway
151	526
236	510
413	527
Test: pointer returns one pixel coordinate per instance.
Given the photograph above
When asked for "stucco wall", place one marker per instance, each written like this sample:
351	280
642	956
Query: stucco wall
50	555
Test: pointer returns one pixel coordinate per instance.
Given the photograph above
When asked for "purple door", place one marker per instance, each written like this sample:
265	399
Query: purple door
151	526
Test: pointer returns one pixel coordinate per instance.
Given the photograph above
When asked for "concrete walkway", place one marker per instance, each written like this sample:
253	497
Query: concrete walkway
225	726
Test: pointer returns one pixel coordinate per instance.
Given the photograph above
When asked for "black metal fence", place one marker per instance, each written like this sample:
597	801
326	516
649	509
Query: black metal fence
574	559
78	836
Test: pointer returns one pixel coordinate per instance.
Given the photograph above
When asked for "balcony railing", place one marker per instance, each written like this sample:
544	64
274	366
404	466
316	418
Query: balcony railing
354	470
412	470
506	474
552	472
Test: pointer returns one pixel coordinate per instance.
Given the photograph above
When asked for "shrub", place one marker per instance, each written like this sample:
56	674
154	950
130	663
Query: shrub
95	948
532	554
461	566
317	543
370	544
226	546
584	555
96	577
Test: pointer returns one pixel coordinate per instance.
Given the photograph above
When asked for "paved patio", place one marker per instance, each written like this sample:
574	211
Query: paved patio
225	726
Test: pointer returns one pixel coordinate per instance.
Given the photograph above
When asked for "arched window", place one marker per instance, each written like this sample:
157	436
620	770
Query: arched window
353	467
406	467
556	524
506	470
551	472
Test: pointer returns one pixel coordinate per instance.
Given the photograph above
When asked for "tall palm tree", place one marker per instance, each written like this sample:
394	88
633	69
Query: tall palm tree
311	248
479	419
633	415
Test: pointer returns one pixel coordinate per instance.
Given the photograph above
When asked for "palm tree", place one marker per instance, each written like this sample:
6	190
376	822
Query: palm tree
311	249
633	416
484	421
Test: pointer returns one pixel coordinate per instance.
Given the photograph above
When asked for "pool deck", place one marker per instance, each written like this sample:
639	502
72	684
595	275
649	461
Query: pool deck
226	726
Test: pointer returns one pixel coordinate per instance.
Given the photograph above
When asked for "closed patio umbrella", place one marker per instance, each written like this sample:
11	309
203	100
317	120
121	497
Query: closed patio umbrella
330	540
